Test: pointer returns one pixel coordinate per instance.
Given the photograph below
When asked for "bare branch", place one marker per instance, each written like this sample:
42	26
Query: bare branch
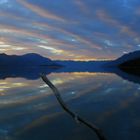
72	114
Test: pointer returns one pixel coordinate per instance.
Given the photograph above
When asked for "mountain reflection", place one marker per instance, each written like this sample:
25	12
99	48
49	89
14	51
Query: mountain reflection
33	73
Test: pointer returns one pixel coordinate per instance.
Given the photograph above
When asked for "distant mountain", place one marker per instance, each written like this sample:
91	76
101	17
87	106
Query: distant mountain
134	63
30	59
128	59
129	63
82	66
30	66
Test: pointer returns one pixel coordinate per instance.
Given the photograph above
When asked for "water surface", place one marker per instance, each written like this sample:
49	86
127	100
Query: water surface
30	111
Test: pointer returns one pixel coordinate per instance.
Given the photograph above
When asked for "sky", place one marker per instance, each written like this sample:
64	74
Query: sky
70	29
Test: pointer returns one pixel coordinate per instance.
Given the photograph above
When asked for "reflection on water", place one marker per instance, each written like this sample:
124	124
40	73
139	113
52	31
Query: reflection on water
29	110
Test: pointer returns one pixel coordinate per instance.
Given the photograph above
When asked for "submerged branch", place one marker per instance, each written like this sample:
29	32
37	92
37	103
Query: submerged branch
73	115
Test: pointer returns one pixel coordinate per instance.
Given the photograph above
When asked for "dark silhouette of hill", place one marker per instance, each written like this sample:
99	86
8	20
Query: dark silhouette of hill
131	67
130	63
132	56
30	59
135	63
30	66
128	66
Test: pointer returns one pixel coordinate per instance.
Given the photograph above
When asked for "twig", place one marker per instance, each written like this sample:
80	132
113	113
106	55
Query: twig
74	116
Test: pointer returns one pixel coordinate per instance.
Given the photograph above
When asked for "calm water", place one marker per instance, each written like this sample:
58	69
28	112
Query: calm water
30	111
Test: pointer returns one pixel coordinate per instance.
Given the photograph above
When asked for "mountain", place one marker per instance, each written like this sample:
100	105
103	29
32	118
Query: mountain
128	58
30	59
129	63
134	63
31	65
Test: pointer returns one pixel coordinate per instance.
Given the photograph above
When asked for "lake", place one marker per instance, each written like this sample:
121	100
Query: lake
29	109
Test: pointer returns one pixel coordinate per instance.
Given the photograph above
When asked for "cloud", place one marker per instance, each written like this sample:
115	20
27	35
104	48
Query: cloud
82	6
71	38
68	29
51	49
125	29
40	11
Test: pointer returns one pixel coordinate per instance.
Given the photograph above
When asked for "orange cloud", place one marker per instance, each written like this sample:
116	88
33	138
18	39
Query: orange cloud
12	16
85	9
40	11
88	43
82	6
105	17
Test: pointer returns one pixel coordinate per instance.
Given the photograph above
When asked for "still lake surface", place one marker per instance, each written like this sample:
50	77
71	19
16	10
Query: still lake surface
29	110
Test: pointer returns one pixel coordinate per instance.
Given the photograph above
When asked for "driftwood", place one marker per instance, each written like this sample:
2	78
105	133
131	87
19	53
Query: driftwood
72	114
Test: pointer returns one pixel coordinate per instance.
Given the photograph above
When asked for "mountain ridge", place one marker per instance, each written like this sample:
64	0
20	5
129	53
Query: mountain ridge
30	59
34	59
127	57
